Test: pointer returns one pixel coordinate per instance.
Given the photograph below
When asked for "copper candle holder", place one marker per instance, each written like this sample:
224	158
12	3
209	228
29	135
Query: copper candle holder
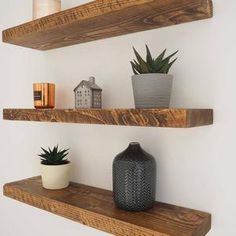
44	95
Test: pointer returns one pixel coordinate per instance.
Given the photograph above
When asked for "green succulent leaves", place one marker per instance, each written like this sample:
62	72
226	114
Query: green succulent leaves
54	156
151	65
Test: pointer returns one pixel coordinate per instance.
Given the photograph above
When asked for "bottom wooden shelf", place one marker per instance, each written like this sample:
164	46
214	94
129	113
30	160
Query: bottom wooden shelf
94	207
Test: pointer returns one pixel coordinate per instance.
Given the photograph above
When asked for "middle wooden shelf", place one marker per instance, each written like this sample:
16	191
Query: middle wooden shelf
169	117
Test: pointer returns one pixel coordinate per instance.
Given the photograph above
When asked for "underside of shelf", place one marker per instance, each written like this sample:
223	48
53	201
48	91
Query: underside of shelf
173	118
103	19
94	207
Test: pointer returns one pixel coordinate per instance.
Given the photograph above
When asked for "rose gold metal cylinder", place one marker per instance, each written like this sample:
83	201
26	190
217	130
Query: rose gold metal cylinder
44	95
43	8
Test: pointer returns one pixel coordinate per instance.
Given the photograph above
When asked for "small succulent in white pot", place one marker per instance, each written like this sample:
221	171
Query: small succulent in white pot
151	82
55	168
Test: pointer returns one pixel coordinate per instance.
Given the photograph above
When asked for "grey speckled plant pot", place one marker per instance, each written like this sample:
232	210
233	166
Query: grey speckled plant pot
152	90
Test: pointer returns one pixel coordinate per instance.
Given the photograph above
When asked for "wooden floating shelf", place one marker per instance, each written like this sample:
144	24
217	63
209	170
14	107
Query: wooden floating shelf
94	207
103	19
174	118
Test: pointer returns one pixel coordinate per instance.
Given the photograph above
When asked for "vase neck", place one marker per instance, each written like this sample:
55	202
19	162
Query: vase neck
134	146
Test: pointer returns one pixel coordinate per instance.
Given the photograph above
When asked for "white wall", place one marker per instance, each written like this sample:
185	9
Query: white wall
196	167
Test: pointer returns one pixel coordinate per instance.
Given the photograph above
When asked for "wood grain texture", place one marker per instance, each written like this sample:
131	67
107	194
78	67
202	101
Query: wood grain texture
175	118
103	19
95	207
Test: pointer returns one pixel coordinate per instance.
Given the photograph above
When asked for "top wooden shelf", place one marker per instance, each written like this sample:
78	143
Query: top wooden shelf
94	207
103	19
172	118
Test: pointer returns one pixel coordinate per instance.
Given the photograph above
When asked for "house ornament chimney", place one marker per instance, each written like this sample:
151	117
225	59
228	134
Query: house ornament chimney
92	80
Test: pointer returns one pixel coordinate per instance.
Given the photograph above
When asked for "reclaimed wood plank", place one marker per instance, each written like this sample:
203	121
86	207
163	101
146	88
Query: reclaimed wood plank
174	118
103	19
94	207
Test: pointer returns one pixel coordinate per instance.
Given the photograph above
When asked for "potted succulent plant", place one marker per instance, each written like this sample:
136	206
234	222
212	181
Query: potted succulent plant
151	82
55	168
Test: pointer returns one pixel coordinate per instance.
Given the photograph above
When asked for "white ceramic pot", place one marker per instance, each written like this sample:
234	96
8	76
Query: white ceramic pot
152	90
55	176
43	8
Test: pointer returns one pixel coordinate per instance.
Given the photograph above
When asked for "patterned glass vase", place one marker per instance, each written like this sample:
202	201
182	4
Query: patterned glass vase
134	179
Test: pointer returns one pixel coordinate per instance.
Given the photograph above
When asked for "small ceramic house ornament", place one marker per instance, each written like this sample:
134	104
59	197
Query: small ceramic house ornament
88	94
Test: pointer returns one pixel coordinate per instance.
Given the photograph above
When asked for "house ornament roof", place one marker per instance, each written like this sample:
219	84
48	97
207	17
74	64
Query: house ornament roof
88	84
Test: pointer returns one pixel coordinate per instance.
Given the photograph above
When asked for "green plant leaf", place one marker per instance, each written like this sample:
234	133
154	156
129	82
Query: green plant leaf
135	68
64	151
160	57
170	56
163	66
43	156
134	71
142	63
149	56
170	64
64	155
45	151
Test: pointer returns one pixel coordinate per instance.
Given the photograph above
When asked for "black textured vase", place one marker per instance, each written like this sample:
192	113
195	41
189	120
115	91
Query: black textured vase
134	179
